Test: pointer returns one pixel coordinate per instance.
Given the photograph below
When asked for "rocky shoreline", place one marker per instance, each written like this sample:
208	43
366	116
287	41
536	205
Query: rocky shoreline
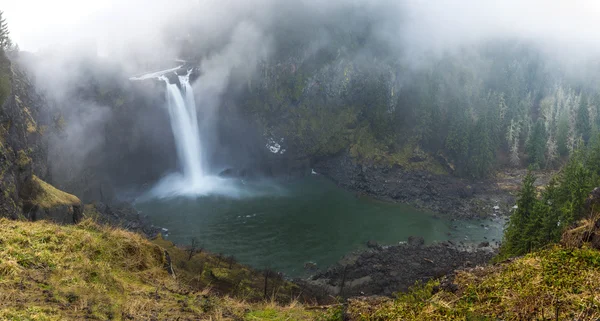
448	195
385	270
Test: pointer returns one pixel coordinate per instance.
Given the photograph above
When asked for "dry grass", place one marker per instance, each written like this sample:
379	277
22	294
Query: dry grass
87	271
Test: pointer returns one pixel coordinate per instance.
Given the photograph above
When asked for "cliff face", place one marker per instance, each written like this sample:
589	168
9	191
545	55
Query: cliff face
24	120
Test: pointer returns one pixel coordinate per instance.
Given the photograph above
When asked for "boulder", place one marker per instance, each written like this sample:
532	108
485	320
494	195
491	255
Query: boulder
310	266
373	245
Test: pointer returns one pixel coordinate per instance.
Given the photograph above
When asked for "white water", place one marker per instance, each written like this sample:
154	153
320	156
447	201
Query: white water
194	178
184	124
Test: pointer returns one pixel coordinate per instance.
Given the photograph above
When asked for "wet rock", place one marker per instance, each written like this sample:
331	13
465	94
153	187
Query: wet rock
310	266
373	245
483	244
416	241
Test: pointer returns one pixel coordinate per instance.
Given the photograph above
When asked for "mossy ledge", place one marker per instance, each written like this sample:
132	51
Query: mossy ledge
44	201
48	196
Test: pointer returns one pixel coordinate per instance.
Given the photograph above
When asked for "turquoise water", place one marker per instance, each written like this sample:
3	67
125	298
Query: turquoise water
310	219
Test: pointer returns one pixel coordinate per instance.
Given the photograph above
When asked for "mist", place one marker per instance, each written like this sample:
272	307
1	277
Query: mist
235	43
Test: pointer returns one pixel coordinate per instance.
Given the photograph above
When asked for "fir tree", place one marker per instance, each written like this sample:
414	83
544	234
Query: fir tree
5	42
481	151
562	136
536	147
517	240
583	119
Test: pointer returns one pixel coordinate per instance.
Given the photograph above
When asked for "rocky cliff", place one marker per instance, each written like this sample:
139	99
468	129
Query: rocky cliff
24	120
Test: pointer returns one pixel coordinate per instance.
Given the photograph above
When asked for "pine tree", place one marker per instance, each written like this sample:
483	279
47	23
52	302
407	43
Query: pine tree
5	42
551	227
536	147
551	151
583	119
517	240
481	150
562	135
457	140
515	160
513	138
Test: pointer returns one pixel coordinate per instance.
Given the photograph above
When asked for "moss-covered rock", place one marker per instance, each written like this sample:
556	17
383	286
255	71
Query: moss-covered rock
44	201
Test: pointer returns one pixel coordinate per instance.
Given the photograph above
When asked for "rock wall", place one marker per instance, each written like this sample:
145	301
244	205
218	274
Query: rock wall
23	123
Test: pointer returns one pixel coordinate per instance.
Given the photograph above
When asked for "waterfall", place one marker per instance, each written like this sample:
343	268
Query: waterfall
193	179
184	124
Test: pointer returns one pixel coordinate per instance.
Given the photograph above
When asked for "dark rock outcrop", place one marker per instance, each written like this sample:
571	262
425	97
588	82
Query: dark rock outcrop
445	194
396	268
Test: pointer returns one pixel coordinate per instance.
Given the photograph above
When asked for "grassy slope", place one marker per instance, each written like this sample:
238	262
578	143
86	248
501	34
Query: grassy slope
89	271
86	271
53	272
553	284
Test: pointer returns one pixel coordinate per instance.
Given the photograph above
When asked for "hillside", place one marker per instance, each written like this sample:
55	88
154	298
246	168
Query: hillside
556	283
87	271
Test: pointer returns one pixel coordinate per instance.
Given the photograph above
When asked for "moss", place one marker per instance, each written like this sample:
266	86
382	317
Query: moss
276	313
30	121
555	283
23	160
48	196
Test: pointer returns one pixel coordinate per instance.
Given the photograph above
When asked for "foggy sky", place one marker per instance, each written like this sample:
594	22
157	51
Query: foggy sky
431	25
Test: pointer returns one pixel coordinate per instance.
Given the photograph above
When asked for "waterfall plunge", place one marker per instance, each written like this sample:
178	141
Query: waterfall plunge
194	178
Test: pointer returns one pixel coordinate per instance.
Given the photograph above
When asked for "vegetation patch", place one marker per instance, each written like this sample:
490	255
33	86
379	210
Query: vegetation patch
48	196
